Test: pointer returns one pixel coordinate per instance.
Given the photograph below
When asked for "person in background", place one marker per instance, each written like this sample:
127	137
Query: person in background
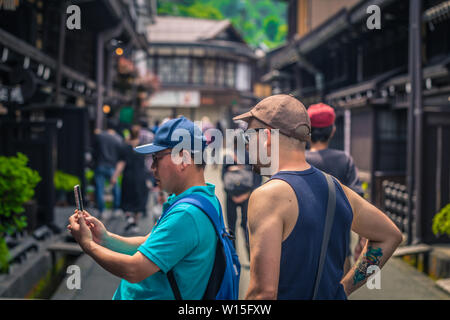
220	127
239	181
146	136
335	162
106	150
134	187
155	126
206	125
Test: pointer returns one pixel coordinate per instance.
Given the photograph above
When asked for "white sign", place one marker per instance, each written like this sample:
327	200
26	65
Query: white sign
243	77
175	99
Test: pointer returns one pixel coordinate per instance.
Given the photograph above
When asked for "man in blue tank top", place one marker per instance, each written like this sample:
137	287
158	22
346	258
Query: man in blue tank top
286	215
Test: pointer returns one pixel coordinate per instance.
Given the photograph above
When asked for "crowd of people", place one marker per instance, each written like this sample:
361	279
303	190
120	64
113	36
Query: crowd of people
114	159
297	224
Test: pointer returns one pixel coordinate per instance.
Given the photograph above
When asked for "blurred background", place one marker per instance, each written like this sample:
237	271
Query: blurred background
69	76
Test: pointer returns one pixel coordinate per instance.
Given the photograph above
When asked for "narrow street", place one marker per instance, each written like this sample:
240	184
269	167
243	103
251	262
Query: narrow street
359	89
399	281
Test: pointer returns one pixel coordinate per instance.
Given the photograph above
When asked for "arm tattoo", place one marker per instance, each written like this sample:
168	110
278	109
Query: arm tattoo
371	258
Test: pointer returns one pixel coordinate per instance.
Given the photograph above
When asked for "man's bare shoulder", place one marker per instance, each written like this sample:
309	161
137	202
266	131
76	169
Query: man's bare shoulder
273	190
275	202
273	196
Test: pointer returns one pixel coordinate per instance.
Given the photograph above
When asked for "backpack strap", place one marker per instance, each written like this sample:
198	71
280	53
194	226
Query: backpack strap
174	285
203	204
217	221
207	207
331	206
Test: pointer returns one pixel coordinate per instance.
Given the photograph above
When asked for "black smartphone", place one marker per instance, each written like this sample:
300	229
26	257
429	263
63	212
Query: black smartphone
78	198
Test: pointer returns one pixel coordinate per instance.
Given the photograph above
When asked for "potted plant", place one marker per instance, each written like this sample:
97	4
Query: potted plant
17	183
64	184
441	222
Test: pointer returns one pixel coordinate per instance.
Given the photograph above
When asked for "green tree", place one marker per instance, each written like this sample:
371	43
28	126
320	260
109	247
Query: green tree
168	8
271	25
259	21
441	222
189	8
17	183
199	10
282	33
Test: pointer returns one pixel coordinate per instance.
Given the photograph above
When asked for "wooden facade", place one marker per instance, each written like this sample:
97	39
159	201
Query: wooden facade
367	74
208	65
54	81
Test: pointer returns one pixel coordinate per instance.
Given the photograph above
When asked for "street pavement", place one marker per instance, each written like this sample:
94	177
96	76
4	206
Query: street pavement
399	281
96	283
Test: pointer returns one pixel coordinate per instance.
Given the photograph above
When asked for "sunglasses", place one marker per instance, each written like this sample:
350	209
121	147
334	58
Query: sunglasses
158	157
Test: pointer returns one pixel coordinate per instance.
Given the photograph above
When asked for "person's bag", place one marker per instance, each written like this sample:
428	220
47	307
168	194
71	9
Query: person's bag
238	182
329	219
223	283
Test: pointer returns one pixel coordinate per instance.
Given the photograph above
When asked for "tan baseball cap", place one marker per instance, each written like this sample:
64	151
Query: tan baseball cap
282	112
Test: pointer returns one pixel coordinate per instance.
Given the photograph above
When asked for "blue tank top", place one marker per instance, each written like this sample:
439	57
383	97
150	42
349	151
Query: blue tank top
301	250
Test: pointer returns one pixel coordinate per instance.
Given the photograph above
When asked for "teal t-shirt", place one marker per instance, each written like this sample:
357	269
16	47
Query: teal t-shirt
183	240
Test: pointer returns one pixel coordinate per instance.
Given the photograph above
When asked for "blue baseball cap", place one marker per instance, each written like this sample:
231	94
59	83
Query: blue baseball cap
173	132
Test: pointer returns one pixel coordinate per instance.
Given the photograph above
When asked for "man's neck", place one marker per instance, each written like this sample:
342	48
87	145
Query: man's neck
296	161
195	181
319	146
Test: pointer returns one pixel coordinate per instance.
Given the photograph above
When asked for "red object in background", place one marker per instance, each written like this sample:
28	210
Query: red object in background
125	66
321	115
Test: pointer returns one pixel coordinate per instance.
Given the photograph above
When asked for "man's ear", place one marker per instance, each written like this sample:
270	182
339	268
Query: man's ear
186	158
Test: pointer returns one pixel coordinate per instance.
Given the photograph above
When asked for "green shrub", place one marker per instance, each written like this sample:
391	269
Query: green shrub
17	183
64	181
89	175
4	255
441	221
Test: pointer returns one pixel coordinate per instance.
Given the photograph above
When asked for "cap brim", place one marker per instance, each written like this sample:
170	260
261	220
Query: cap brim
149	148
244	117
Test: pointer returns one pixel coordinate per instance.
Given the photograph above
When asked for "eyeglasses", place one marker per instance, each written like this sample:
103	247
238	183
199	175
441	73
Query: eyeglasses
156	158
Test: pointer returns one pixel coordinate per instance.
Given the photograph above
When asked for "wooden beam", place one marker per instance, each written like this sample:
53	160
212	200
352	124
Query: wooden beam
25	49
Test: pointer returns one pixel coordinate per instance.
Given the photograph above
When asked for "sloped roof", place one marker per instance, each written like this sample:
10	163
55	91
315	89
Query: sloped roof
184	29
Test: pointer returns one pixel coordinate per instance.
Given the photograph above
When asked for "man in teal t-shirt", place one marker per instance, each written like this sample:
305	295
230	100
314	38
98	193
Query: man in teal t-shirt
184	240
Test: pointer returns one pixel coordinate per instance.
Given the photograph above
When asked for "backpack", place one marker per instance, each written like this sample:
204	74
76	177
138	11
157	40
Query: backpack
223	283
238	182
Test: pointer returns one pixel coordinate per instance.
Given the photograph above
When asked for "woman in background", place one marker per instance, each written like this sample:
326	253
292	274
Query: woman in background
134	188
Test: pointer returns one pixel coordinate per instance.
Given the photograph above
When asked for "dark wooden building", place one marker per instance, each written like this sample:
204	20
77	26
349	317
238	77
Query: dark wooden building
54	81
368	76
205	68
